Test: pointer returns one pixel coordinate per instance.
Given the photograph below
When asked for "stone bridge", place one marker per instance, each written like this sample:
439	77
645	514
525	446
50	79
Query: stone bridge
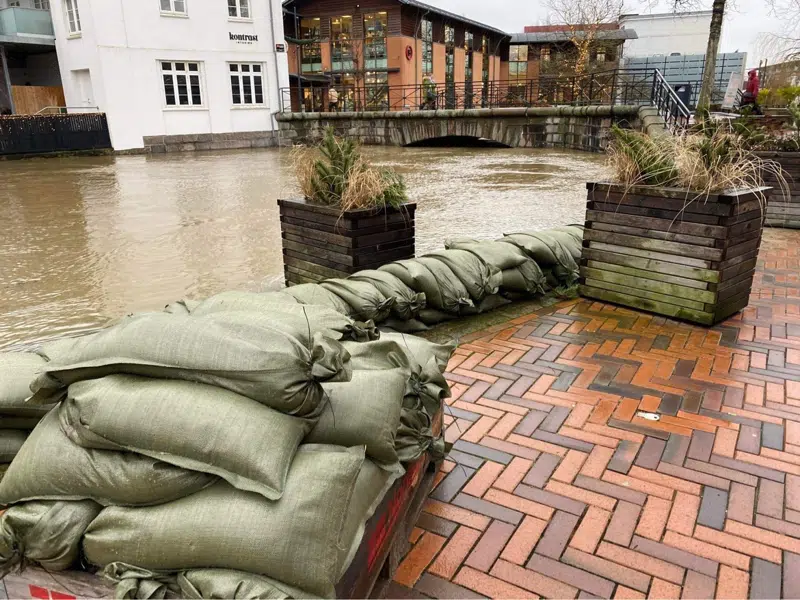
576	127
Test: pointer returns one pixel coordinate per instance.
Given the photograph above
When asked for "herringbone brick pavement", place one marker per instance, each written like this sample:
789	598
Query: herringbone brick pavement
602	452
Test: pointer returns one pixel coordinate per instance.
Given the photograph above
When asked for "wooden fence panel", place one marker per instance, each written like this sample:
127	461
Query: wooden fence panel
30	99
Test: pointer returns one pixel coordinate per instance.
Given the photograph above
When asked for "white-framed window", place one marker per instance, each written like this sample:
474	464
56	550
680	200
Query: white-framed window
247	84
14	3
73	17
239	9
182	84
173	7
41	4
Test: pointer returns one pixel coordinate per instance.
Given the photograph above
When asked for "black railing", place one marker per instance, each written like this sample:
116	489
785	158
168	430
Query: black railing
670	107
45	134
608	88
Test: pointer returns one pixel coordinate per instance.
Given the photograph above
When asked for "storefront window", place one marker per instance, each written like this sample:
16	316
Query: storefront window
377	90
342	43
427	47
450	66
468	72
375	27
485	70
310	49
517	73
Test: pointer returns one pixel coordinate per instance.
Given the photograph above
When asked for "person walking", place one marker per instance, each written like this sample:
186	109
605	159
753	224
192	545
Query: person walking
429	91
333	100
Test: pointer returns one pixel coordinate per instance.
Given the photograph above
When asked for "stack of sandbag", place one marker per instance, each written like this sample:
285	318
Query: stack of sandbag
17	416
225	447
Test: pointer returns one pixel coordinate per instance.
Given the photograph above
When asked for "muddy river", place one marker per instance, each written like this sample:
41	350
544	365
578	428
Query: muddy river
86	240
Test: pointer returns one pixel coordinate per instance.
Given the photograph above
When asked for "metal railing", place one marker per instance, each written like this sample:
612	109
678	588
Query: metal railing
607	88
45	134
55	110
670	107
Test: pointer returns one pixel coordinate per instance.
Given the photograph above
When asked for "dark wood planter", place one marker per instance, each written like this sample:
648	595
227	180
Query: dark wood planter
321	242
643	250
783	210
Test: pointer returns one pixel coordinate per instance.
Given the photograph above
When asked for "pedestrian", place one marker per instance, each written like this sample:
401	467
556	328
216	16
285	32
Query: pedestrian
333	100
750	95
429	90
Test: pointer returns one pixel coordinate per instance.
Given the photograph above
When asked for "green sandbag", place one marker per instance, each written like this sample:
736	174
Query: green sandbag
411	326
548	252
11	441
526	279
51	467
414	436
256	361
17	372
363	412
303	321
489	303
497	254
443	290
430	316
478	277
575	231
407	302
366	301
423	350
45	533
304	539
235	301
190	425
567	241
196	584
313	293
23	423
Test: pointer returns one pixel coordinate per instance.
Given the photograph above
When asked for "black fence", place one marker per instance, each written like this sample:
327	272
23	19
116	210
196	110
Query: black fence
45	134
607	87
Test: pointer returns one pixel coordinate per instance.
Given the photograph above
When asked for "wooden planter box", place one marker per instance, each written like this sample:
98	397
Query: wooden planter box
783	210
321	242
641	251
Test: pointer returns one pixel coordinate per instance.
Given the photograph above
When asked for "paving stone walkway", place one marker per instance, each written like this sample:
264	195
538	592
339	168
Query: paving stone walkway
561	484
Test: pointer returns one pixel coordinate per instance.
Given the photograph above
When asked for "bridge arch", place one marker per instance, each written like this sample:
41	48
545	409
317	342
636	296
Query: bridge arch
415	132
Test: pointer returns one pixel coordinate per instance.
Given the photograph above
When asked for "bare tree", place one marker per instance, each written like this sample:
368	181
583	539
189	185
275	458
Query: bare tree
784	44
710	66
583	20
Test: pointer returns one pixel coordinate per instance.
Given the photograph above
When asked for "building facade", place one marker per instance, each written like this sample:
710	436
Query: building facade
380	54
29	75
667	33
173	67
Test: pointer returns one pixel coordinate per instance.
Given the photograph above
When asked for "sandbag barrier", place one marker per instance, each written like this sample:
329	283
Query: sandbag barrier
148	459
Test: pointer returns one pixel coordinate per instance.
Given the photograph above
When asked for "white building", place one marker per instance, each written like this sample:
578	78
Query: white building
667	33
174	68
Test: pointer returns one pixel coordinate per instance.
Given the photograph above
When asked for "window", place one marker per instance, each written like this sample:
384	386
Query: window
449	35
239	9
544	53
310	49
13	3
181	84
73	17
377	90
484	70
601	56
247	84
40	4
375	26
427	47
468	72
518	62
342	43
173	7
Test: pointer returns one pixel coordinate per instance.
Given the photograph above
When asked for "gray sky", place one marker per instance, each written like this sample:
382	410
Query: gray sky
745	20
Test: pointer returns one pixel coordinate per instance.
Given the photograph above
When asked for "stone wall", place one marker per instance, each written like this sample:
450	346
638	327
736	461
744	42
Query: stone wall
576	127
158	144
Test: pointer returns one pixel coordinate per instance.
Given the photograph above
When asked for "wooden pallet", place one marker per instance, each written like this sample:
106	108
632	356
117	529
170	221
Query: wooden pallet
320	242
655	250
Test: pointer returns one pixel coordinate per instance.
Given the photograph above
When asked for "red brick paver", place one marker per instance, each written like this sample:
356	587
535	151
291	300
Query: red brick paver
571	488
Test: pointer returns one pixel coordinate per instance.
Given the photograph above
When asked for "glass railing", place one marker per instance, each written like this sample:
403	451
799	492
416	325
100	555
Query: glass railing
16	20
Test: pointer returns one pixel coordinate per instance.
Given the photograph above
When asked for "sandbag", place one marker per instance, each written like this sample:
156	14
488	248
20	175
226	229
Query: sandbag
303	321
51	467
443	290
407	302
411	326
575	232
363	412
23	423
489	303
143	584
256	361
414	436
242	301
313	293
366	301
498	254
304	539
526	279
17	372
190	425
432	316
548	252
181	307
11	441
478	277
45	533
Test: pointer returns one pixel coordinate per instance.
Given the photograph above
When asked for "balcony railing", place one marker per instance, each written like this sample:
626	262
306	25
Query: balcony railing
608	87
17	20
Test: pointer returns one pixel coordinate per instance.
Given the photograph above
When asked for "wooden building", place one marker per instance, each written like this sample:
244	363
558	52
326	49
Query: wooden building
388	55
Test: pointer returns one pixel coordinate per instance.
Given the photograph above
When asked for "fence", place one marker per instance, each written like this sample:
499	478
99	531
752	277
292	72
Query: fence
45	134
607	87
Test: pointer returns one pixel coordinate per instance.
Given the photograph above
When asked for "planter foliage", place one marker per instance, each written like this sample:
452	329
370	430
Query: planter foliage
354	216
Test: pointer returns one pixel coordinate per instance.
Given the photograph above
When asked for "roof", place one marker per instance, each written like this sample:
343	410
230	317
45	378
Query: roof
579	26
440	12
565	36
667	15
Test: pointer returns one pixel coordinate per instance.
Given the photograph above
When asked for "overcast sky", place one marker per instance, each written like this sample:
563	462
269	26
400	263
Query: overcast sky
745	19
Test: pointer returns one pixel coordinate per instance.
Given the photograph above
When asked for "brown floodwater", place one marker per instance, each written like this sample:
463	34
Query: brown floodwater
89	239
